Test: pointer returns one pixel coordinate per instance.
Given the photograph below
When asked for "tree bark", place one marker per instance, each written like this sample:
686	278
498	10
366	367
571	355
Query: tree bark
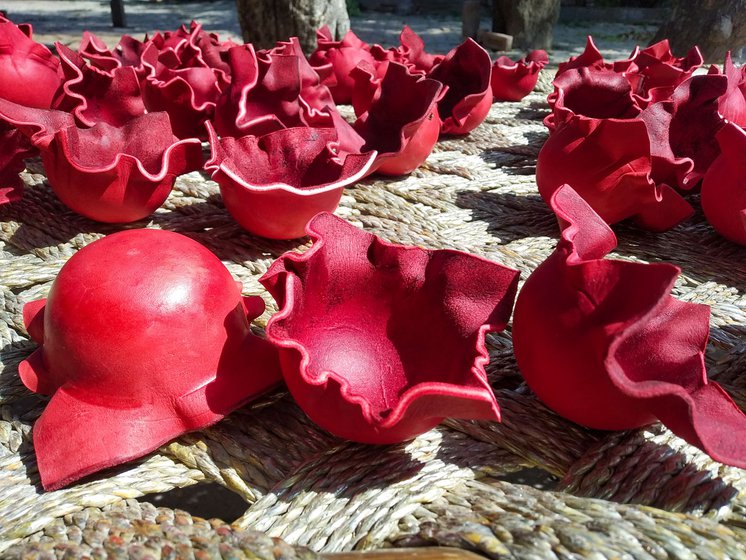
118	18
530	22
470	16
715	26
264	22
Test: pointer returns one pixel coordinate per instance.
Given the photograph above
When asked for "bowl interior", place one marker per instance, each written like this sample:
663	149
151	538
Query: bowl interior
381	340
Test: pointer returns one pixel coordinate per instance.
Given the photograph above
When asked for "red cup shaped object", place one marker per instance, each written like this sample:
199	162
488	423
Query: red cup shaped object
118	174
28	70
206	49
144	336
15	148
608	163
128	52
401	121
603	343
97	96
412	50
591	57
732	104
682	128
187	94
512	81
343	56
95	51
314	94
274	184
263	95
466	70
379	342
652	73
597	93
23	61
656	68
184	48
724	186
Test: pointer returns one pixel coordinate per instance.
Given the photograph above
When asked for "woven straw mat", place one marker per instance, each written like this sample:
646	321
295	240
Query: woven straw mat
636	494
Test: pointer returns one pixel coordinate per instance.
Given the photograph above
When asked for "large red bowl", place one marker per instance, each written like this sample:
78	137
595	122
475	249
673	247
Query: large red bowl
379	342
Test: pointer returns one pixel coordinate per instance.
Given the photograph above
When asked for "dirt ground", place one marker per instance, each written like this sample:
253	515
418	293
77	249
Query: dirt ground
65	20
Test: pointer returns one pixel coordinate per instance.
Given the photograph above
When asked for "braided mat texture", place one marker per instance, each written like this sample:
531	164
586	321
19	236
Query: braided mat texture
638	494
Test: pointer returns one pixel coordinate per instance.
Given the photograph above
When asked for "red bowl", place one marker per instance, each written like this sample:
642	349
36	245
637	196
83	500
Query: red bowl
724	186
144	336
603	343
274	184
118	174
379	342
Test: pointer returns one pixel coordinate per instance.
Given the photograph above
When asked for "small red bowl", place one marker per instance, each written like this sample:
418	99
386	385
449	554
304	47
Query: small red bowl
144	336
512	81
397	116
466	71
274	184
724	186
118	174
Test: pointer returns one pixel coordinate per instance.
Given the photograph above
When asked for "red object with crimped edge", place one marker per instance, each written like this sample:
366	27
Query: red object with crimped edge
732	104
466	71
23	61
603	343
397	116
274	184
724	186
144	336
512	81
608	162
379	342
342	56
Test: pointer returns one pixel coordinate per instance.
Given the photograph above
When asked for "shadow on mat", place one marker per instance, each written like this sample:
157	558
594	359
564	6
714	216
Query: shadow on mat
694	246
509	216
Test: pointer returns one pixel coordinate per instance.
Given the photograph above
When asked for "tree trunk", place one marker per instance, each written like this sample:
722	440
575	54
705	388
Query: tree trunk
264	22
530	22
470	16
118	18
716	26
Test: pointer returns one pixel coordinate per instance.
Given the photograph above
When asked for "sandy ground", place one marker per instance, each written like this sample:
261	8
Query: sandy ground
65	20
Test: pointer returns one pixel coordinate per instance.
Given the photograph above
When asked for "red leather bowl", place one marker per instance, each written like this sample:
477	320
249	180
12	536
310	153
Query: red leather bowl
603	343
724	186
274	184
512	81
379	342
144	336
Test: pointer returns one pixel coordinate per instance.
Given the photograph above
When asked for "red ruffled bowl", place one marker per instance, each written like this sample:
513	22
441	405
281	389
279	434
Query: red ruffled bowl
379	342
398	116
512	81
23	61
732	104
97	96
466	71
603	343
118	174
608	162
29	72
342	56
271	90
724	186
274	184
